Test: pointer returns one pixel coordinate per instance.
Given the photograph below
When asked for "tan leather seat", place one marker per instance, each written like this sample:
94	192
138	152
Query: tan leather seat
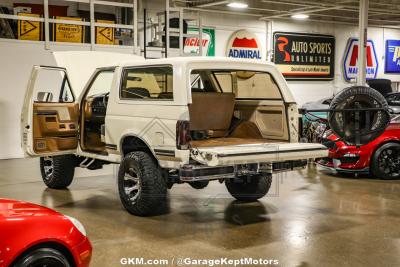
211	112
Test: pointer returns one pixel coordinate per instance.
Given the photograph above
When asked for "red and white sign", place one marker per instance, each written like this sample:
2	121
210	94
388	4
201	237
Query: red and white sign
243	44
350	61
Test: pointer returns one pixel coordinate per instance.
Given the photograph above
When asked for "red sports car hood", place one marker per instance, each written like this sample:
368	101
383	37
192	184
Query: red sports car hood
18	209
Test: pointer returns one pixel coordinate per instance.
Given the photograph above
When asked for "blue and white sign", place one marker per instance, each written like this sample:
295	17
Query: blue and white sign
392	56
350	66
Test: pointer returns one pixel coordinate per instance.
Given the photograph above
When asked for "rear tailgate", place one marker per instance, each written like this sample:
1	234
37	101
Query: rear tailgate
257	153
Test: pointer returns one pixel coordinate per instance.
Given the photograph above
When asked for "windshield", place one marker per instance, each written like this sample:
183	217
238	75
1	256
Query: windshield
243	83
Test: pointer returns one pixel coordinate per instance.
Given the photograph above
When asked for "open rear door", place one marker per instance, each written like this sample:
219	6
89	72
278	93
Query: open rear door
49	119
257	153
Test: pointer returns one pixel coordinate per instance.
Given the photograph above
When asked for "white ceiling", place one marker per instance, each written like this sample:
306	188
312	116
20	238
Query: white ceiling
381	12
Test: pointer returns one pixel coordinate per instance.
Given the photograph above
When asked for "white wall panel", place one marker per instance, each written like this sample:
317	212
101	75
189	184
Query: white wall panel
16	61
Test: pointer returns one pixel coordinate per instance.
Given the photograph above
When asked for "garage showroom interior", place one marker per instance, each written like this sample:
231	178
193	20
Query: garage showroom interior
199	133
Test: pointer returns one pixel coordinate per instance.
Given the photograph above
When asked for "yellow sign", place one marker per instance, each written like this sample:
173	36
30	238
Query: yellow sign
29	30
68	32
105	35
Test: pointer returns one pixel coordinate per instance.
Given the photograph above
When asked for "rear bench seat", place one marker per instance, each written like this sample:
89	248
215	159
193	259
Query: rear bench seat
211	112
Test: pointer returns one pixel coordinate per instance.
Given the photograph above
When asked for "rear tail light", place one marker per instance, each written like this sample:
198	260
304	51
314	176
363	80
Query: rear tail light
182	134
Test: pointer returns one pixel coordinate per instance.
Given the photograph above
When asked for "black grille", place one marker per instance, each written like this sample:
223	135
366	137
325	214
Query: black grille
349	160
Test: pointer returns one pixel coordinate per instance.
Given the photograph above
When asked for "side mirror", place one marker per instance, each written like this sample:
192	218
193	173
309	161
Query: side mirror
44	97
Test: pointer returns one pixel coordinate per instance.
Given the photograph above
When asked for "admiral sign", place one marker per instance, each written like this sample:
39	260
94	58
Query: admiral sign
243	44
392	56
350	67
301	56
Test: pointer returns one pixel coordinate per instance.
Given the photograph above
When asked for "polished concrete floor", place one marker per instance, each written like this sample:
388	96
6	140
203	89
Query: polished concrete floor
310	218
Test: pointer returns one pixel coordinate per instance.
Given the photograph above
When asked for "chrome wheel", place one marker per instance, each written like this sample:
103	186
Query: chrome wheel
132	184
48	167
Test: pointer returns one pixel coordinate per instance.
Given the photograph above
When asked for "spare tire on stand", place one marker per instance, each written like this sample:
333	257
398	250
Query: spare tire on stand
371	124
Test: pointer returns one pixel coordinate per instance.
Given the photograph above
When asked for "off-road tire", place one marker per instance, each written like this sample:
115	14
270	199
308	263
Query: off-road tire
358	97
151	197
43	257
62	173
249	188
391	171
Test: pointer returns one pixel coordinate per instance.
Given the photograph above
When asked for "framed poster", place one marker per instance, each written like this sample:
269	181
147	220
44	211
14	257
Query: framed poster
392	57
303	56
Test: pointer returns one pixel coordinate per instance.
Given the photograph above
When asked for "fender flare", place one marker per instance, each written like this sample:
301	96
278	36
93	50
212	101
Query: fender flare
131	135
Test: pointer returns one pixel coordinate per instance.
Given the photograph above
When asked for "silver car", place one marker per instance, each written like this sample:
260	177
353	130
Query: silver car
393	100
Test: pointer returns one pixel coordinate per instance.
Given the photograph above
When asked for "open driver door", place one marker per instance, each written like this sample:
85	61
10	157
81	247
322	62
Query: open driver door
50	114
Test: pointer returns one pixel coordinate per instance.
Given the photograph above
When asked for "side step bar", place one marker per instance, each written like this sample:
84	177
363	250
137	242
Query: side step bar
86	162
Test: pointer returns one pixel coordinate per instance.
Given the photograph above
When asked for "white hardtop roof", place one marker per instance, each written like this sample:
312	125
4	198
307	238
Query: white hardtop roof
81	65
220	63
196	59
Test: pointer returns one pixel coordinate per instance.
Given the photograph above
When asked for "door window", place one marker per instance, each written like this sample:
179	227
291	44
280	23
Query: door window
249	84
152	83
101	85
243	83
52	85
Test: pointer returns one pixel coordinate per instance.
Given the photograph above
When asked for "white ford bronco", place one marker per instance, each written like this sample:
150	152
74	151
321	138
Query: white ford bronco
165	121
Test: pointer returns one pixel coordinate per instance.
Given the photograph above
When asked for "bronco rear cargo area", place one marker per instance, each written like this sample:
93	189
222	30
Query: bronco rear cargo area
240	117
231	107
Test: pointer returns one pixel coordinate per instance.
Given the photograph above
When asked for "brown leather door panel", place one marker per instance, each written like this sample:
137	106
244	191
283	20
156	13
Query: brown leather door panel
55	126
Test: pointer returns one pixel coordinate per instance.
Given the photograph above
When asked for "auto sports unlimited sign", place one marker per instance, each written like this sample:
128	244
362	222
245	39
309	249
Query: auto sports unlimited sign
243	44
350	60
301	56
191	45
392	56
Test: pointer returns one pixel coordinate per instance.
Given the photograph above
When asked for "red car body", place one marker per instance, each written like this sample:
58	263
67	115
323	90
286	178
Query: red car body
345	158
25	225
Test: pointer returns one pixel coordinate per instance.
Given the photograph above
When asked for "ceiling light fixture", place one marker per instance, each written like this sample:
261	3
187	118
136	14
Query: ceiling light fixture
300	16
236	4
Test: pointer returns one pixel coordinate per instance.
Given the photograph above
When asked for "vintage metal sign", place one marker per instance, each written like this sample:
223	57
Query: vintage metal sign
191	45
301	56
105	35
243	44
68	32
29	30
392	56
350	68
